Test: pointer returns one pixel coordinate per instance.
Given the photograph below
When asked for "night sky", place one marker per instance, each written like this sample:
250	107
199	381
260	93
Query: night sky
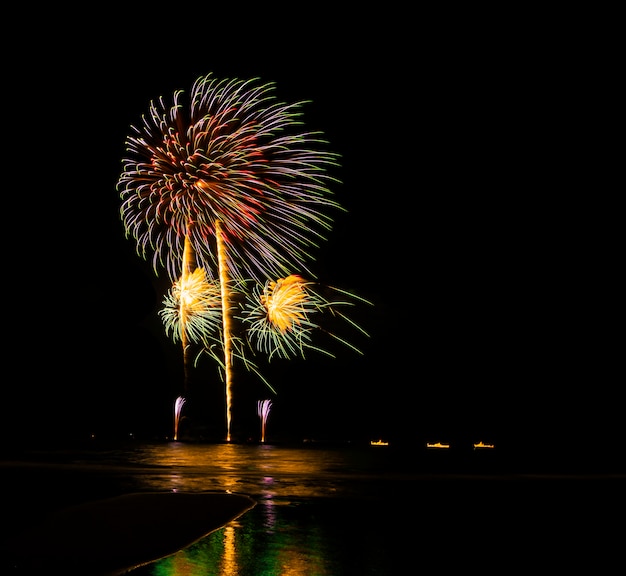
472	172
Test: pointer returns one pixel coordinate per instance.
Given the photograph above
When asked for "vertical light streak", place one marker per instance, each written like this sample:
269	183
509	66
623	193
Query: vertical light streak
229	564
226	324
187	267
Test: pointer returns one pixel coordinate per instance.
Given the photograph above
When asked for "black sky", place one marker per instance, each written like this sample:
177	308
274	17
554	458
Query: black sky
471	172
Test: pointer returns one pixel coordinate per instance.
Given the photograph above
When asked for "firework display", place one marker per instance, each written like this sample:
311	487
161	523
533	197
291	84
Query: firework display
224	190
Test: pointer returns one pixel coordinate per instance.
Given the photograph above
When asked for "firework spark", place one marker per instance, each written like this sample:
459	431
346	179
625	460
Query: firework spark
231	154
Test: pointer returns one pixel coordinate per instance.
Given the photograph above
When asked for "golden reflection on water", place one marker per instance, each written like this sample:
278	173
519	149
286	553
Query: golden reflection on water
229	555
250	469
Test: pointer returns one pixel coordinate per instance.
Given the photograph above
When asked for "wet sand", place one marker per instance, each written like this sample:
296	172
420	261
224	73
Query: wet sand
112	535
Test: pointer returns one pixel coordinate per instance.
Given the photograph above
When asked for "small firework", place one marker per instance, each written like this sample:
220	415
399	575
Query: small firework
193	306
263	411
178	407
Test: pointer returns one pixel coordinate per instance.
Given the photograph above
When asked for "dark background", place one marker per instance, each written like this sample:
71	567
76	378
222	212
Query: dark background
481	223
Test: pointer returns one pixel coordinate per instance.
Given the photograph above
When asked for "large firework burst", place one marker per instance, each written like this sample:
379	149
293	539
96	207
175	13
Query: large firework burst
231	153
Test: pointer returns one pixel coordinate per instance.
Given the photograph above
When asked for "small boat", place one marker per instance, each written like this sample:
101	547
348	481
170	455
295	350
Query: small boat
437	445
480	445
378	443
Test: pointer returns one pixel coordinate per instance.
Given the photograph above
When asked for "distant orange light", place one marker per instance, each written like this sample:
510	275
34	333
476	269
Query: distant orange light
481	444
437	445
378	443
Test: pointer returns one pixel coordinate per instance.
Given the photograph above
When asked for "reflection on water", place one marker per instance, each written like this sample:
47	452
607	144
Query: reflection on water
305	516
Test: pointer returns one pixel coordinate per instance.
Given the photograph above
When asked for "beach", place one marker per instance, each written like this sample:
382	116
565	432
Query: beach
312	511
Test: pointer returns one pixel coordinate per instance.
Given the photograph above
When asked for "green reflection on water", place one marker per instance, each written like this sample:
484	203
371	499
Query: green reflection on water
256	544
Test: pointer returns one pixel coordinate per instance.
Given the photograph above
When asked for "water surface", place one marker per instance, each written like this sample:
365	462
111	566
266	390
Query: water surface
341	510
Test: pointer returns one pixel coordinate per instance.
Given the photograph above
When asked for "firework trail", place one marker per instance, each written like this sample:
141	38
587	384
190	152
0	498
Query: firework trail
226	336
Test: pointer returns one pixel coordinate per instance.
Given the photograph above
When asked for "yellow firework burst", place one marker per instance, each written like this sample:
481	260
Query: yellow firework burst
281	316
285	302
